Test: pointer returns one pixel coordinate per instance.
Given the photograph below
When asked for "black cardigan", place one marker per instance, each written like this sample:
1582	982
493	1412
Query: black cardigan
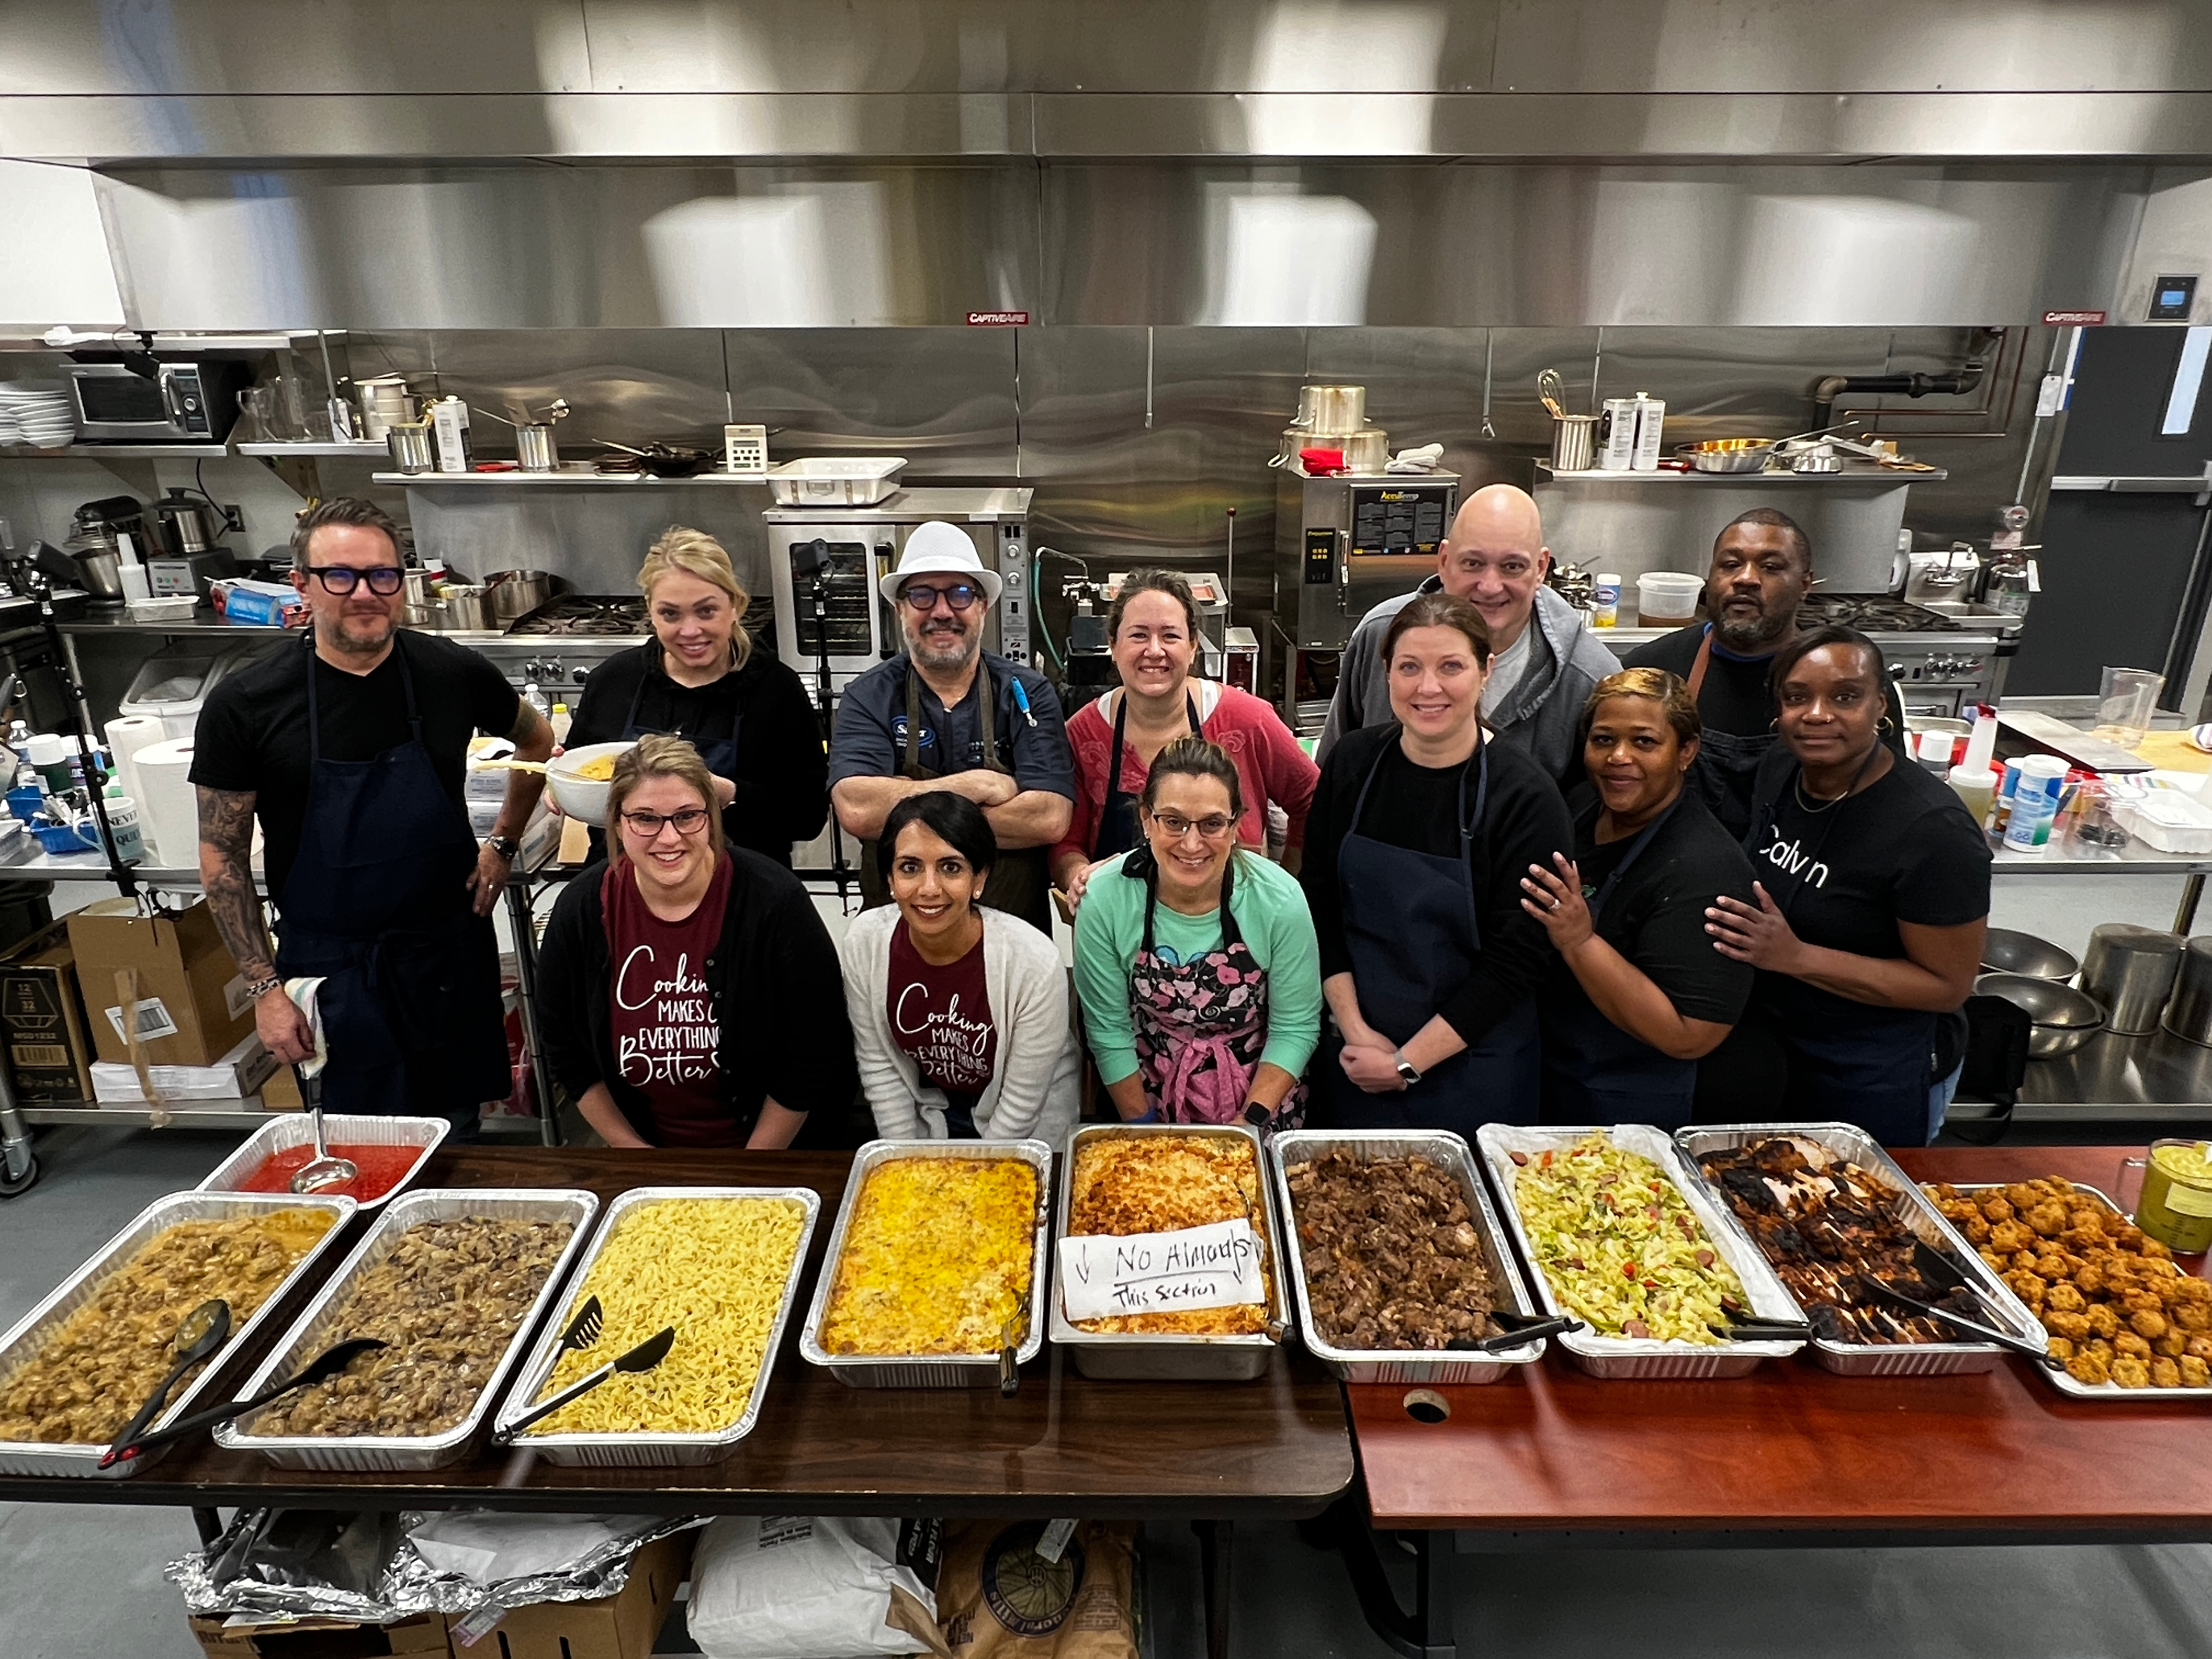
782	772
777	988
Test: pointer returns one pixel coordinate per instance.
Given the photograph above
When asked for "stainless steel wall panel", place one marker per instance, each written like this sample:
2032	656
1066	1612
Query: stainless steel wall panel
944	398
595	537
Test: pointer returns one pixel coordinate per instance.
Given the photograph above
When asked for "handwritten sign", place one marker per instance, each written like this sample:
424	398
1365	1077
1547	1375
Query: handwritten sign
1102	1276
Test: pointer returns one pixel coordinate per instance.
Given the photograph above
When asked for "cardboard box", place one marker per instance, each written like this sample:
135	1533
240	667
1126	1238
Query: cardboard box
238	1075
422	1636
42	1017
192	1006
623	1625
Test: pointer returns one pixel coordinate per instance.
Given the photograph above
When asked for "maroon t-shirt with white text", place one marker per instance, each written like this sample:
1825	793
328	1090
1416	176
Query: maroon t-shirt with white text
667	1032
941	1016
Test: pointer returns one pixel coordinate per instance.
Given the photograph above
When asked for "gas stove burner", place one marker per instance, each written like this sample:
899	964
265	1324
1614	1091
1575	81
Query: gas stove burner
577	613
1872	613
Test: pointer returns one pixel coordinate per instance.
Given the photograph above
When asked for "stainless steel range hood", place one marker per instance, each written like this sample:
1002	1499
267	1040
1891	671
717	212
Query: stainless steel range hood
541	163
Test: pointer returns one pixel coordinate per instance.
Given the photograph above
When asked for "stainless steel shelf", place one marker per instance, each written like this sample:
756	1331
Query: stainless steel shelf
1860	474
116	452
240	1117
2133	859
573	475
204	620
90	866
364	449
118	622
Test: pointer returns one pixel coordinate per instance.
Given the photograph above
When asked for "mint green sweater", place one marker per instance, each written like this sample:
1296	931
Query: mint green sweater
1272	917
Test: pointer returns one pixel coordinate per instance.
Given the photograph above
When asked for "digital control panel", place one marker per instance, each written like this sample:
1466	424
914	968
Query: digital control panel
1014	603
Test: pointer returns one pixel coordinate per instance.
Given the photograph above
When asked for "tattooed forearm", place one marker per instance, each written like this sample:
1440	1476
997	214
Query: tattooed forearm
226	873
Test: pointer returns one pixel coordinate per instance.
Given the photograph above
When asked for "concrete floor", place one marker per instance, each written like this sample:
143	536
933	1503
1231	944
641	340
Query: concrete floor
86	1581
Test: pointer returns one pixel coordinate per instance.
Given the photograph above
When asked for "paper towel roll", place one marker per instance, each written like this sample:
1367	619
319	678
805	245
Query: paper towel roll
126	736
168	812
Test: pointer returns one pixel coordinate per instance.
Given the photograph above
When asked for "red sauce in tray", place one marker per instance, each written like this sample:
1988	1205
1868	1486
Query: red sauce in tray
382	1168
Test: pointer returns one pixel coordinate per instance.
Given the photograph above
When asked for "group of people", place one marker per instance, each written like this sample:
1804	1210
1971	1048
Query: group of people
1523	882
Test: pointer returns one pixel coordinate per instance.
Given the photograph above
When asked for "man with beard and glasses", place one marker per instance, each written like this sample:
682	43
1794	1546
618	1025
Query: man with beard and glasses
1761	571
945	713
350	745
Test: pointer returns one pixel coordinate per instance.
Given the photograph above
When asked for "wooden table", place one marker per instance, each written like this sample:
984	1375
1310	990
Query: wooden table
1064	1446
1790	1454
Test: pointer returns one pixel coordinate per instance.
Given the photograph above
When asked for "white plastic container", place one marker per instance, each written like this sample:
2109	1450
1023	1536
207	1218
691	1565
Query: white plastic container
172	686
2171	822
1667	599
1605	600
832	481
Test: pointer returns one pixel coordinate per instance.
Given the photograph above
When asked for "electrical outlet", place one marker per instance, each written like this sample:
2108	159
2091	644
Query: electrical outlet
234	519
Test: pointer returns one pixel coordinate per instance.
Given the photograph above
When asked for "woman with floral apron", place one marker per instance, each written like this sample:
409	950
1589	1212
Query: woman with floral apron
1197	1011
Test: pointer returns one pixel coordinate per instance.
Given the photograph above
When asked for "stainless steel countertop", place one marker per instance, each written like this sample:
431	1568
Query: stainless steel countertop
2160	1068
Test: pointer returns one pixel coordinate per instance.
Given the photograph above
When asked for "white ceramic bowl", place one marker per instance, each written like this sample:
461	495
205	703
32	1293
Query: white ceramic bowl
581	798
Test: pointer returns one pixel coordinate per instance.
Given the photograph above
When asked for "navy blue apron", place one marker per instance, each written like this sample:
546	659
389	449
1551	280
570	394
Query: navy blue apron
411	1001
1850	1062
1595	1072
1728	761
1411	929
1117	818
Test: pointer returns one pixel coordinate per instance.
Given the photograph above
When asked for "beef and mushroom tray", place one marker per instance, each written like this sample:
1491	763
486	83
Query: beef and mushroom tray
2119	1310
448	1300
1393	1258
1822	1221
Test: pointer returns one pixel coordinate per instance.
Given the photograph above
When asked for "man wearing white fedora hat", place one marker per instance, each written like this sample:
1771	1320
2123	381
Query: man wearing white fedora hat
910	724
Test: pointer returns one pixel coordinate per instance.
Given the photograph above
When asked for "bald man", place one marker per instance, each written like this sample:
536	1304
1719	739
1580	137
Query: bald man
1543	659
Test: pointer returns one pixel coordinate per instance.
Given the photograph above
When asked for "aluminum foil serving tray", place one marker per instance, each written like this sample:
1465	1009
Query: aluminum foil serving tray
317	1328
644	1450
30	1331
1145	1355
1448	1151
1912	1207
290	1129
929	1370
1625	1359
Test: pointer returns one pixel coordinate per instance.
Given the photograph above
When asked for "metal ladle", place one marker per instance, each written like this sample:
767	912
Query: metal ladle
322	1170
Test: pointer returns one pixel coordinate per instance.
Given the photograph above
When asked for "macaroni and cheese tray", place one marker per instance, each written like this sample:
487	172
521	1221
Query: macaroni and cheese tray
458	1278
1124	1178
721	1267
938	1256
1589	1204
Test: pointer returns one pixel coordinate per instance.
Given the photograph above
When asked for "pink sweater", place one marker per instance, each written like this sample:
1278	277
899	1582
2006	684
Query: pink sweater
1271	768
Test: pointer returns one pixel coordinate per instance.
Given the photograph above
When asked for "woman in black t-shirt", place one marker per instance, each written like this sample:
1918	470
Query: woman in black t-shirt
1638	992
1873	900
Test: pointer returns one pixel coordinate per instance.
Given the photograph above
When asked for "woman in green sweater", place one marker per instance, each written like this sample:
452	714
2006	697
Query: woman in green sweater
1196	961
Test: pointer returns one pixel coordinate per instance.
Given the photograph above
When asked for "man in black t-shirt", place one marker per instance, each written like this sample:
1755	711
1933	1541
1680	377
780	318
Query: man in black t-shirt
1761	571
350	744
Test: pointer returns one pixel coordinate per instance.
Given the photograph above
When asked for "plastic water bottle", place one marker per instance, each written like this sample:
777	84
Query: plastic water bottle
536	699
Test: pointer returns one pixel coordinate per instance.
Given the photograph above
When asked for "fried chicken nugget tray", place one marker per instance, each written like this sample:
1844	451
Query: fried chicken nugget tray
1294	1148
929	1370
30	1333
1915	1211
1632	1359
2065	1382
317	1328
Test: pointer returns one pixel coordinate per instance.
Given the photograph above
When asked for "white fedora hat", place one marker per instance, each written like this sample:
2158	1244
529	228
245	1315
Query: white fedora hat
939	549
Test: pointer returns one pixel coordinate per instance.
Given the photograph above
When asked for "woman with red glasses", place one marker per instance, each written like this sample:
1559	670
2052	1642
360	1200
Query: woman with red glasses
688	994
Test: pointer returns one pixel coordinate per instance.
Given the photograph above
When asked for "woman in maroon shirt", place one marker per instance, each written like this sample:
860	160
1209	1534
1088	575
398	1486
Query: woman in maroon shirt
698	952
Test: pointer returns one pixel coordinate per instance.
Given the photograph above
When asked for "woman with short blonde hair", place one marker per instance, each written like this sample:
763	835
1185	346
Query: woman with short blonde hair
700	680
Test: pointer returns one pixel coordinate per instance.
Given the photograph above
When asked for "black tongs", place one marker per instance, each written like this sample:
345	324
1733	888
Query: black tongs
1520	1328
1890	1293
1758	1327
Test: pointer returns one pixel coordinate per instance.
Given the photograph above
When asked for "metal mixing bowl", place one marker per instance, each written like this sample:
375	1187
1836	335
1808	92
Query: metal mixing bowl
2010	953
2065	1018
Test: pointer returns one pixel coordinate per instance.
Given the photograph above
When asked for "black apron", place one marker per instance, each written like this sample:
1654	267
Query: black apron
1411	929
411	1001
1595	1072
1021	881
721	754
1849	1062
1728	761
1117	818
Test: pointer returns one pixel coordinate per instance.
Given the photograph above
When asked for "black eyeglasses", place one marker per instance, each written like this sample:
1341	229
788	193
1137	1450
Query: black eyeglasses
922	597
342	579
688	821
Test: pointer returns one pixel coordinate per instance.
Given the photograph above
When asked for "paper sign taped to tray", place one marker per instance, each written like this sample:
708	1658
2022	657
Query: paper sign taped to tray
1102	1276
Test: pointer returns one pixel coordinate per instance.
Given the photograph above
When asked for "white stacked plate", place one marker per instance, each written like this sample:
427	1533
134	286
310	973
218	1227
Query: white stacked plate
38	416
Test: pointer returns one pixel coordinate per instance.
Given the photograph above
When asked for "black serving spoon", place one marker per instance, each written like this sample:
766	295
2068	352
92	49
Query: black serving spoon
643	1358
324	1365
199	1333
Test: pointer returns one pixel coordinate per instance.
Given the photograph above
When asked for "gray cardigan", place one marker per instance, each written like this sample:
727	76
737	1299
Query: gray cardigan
1036	1091
1544	716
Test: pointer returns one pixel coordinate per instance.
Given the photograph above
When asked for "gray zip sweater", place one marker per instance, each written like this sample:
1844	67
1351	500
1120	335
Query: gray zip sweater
1543	716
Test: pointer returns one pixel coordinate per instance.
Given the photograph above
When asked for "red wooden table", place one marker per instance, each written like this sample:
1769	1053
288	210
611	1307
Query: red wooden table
1791	1454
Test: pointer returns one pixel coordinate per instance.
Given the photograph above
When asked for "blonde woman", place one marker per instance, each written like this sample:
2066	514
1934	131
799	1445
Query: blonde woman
700	678
688	994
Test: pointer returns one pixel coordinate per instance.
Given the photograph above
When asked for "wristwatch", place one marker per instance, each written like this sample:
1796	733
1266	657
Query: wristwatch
1255	1114
1405	1066
506	846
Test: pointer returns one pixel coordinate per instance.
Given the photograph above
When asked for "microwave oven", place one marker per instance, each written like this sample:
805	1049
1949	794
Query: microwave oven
184	401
